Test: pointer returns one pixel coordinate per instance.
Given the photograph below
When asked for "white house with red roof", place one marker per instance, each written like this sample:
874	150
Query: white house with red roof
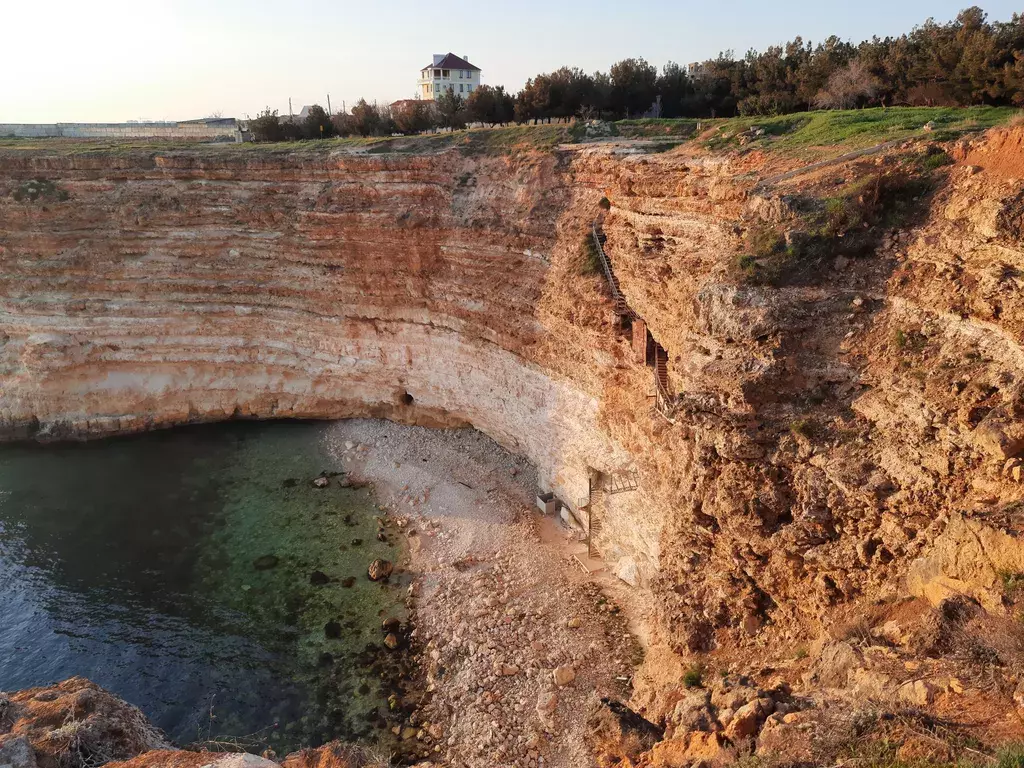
448	72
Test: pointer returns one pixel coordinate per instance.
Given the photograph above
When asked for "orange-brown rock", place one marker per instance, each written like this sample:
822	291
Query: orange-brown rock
72	725
831	428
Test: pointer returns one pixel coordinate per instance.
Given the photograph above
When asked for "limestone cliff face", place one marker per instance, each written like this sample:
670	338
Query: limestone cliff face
827	429
182	287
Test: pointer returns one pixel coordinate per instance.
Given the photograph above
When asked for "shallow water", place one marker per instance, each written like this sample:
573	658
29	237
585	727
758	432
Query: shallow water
133	562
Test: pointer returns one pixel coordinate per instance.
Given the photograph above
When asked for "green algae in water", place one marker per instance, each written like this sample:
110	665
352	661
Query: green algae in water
287	556
194	572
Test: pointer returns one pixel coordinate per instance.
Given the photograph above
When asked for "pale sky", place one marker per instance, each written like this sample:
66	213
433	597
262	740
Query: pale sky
114	60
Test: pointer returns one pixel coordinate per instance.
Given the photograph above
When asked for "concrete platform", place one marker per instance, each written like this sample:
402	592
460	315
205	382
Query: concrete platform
588	564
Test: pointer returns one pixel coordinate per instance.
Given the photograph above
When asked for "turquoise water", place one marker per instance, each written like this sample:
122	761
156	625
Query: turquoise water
201	576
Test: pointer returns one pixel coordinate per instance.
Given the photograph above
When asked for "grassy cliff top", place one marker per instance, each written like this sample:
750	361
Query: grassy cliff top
846	129
801	134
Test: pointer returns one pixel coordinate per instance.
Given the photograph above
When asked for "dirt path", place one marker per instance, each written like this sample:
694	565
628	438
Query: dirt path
499	609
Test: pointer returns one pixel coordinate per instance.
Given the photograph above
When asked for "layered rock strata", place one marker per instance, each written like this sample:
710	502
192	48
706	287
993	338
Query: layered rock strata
832	433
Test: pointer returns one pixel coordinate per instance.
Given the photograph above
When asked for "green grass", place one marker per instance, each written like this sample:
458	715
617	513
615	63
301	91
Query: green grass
477	141
655	127
859	128
1012	583
797	133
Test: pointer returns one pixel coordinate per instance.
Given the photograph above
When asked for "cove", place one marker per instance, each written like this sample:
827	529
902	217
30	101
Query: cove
200	574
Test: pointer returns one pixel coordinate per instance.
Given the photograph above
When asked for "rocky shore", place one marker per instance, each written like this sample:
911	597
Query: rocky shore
518	644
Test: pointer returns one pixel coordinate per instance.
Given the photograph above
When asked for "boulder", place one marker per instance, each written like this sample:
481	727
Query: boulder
695	749
920	693
265	562
618	735
748	719
563	675
835	662
1001	432
48	721
16	752
691	713
968	559
321	482
380	570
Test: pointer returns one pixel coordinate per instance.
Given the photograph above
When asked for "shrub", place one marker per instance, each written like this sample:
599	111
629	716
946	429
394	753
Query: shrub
591	260
802	427
266	126
767	256
317	124
694	677
1012	583
38	188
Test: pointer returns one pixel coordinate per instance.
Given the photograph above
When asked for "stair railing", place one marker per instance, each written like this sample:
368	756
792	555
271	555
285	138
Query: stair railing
621	306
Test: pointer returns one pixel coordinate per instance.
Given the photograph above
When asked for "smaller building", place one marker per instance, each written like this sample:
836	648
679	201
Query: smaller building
696	70
448	73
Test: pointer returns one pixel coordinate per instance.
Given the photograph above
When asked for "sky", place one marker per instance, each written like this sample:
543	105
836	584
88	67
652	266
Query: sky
116	60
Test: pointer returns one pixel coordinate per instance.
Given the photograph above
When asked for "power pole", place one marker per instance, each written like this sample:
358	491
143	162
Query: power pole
290	107
328	104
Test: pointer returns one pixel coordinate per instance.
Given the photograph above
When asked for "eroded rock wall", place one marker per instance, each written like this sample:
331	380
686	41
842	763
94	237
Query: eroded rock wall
828	428
152	289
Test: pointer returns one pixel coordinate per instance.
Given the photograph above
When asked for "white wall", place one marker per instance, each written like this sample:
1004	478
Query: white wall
199	131
470	80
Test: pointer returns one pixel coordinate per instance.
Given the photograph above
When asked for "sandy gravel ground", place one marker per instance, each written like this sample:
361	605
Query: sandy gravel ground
518	642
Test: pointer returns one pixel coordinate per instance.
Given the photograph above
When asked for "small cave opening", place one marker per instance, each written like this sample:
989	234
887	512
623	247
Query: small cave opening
407	399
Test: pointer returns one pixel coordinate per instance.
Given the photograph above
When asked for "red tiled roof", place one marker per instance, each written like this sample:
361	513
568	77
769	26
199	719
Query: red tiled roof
451	61
408	102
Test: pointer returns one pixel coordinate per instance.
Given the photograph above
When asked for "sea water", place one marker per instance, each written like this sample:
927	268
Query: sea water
199	574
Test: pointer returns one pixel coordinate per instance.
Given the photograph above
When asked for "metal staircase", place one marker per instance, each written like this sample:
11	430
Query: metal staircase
595	502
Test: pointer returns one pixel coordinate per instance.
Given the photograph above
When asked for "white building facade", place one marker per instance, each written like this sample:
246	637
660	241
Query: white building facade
448	72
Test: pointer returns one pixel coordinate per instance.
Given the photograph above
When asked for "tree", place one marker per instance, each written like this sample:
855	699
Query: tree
848	87
533	101
317	124
675	88
451	108
266	126
634	86
490	104
414	116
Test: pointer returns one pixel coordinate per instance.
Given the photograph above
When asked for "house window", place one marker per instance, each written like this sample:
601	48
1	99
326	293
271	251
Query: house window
461	74
437	73
445	73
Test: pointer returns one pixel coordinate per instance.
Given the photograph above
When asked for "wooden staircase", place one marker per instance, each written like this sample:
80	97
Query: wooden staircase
622	308
664	400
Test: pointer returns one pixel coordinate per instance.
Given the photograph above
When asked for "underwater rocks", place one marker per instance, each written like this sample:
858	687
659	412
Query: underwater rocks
265	562
380	570
319	578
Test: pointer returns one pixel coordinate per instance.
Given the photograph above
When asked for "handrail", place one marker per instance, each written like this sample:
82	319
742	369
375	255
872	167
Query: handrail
621	304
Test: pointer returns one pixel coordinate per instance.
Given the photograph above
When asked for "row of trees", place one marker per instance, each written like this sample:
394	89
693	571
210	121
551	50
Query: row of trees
965	62
487	104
